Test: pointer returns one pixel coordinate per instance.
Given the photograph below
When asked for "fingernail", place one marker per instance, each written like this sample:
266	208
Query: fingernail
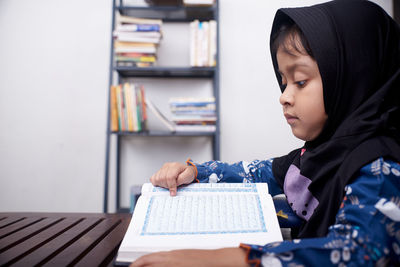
172	192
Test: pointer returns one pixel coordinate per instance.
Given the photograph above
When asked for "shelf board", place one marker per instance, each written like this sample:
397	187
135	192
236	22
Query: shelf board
176	72
164	133
123	210
170	13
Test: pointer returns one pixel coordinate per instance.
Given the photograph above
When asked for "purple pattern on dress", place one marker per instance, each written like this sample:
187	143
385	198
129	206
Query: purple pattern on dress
299	197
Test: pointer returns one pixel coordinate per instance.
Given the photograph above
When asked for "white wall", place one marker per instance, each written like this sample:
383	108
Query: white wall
54	58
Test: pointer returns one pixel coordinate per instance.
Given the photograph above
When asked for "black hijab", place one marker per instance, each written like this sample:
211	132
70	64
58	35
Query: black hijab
357	48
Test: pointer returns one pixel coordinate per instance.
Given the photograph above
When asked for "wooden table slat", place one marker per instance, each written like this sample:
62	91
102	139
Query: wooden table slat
9	220
59	239
27	246
80	247
26	233
17	226
55	246
104	252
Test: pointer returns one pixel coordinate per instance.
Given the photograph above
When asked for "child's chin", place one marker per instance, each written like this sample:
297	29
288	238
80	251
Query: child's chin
301	136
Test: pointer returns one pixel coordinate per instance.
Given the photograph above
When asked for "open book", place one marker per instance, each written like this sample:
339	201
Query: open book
200	216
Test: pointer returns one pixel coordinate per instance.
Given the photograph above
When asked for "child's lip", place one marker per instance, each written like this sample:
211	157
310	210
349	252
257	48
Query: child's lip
290	118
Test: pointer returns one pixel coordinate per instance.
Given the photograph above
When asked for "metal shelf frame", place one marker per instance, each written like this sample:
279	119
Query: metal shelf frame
179	13
167	72
167	14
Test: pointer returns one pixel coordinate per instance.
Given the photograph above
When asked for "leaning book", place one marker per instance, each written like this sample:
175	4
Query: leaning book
200	216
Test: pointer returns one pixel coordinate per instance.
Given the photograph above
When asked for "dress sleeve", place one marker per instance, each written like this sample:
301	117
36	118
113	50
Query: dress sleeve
366	230
257	171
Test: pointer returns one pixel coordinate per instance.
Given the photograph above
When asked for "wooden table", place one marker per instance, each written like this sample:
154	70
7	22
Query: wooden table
60	239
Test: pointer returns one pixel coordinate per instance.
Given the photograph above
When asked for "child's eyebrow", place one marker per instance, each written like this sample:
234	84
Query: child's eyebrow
292	67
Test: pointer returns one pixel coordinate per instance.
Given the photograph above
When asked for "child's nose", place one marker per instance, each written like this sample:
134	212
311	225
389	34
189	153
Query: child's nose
286	97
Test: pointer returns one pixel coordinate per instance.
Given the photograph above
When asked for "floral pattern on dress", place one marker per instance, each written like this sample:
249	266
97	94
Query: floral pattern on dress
367	227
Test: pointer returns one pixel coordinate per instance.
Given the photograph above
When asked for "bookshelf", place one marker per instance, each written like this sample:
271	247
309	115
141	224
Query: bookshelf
117	74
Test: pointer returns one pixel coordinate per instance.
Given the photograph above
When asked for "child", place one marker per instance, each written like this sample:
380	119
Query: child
338	66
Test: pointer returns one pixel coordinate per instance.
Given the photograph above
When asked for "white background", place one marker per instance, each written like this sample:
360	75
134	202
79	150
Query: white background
54	60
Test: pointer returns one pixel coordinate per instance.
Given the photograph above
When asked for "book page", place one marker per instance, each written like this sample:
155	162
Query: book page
204	214
148	188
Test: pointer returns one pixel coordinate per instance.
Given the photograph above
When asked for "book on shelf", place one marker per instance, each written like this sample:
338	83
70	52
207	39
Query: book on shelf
135	58
120	108
186	101
130	107
182	108
137	38
138	27
136	49
203	43
139	109
127	108
158	114
133	64
212	51
143	110
200	216
122	19
199	118
129	47
149	34
194	114
114	109
136	35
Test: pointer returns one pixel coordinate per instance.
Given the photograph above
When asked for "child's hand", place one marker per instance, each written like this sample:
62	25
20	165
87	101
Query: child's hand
172	175
194	257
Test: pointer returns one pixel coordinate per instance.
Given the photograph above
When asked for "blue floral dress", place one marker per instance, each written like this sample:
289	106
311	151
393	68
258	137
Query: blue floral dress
367	227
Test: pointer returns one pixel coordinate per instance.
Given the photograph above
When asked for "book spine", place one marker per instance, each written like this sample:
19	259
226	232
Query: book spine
129	106
198	44
143	105
138	27
193	41
212	58
124	112
204	44
121	34
119	104
138	49
148	28
135	39
135	59
127	19
134	64
114	108
138	108
134	107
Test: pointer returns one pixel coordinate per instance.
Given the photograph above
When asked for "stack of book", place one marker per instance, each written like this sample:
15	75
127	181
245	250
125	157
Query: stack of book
193	114
203	43
128	109
136	41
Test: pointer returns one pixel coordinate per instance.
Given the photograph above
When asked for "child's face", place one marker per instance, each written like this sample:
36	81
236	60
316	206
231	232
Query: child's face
302	100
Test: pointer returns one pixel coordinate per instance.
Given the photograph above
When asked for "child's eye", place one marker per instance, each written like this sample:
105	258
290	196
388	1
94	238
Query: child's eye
301	84
283	87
